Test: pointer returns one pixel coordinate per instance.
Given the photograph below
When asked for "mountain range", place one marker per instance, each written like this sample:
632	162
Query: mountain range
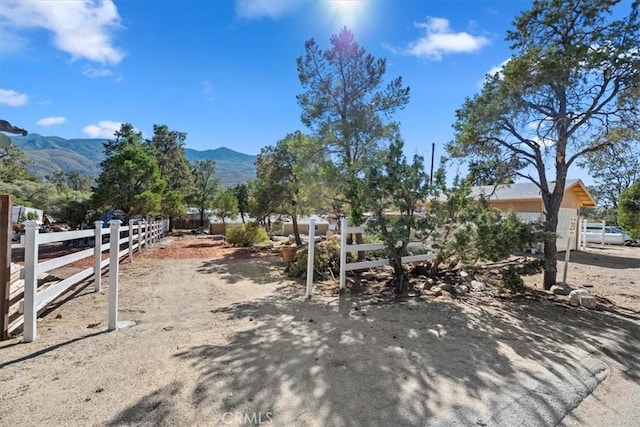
49	153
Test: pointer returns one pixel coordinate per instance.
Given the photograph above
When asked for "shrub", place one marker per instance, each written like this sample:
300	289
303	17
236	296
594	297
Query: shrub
245	234
326	260
512	275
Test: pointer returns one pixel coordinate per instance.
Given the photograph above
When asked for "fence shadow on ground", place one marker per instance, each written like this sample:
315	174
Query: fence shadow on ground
318	363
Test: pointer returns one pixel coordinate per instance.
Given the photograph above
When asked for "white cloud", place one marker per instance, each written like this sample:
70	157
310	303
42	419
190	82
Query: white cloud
255	9
13	98
497	69
93	73
81	28
50	121
104	129
439	40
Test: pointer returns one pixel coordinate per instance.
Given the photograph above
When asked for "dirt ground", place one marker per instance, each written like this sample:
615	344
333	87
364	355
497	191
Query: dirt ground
222	337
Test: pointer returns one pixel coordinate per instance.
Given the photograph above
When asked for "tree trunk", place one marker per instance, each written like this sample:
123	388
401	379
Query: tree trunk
170	223
400	279
552	205
296	231
202	218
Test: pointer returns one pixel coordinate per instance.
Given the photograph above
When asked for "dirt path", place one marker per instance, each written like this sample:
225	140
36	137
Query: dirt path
228	341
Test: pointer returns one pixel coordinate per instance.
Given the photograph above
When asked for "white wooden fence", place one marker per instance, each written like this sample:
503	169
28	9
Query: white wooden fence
123	241
361	265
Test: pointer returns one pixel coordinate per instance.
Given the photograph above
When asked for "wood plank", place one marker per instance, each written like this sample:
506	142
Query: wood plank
6	230
54	263
363	265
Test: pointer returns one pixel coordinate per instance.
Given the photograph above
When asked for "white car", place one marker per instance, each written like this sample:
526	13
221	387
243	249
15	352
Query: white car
611	235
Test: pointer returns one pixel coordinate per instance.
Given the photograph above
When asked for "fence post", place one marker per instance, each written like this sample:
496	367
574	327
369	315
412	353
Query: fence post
6	232
131	226
114	270
97	254
343	253
30	279
310	256
143	235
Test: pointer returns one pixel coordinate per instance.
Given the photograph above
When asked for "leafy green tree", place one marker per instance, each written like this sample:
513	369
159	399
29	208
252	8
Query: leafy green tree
399	186
58	178
78	182
69	181
130	179
490	172
168	147
13	162
226	206
348	110
206	186
241	193
614	169
30	193
574	74
76	212
125	135
629	210
173	205
287	179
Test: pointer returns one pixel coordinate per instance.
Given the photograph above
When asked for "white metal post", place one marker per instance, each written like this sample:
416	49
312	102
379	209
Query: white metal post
131	222
567	254
30	280
97	254
343	253
114	270
310	256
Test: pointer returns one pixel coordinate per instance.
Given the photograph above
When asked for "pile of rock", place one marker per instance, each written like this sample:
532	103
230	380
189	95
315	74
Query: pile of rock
579	297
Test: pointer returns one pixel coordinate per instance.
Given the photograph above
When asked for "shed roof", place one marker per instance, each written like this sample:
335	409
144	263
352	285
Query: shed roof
530	191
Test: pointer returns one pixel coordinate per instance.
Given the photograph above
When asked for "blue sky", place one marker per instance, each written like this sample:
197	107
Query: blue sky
224	71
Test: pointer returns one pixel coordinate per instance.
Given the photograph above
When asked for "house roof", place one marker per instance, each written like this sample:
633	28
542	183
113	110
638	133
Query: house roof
530	191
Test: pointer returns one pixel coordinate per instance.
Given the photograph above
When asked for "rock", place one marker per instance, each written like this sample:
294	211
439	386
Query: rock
478	286
461	289
383	277
433	292
574	296
464	274
370	274
561	289
588	301
427	285
446	287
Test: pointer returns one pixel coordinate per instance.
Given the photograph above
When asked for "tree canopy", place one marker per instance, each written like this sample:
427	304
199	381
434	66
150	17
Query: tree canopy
574	75
629	210
206	186
287	178
130	179
346	106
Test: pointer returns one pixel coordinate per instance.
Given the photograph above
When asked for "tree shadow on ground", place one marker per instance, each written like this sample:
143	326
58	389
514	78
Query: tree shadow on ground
157	408
260	270
409	363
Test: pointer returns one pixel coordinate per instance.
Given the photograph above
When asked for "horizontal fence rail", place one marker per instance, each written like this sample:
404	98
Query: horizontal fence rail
345	266
28	298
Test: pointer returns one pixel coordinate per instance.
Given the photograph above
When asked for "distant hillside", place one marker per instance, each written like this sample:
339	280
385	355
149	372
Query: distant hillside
50	153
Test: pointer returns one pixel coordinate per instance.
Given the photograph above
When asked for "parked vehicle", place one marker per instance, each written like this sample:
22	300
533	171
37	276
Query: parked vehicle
610	235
